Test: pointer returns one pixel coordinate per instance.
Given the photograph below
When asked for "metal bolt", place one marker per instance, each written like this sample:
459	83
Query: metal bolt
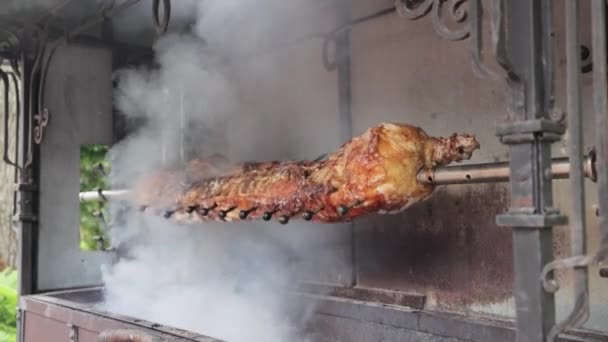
224	213
267	216
308	215
205	211
284	219
245	213
342	210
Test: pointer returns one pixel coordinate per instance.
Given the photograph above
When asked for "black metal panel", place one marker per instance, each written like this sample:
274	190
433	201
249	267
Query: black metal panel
26	214
448	247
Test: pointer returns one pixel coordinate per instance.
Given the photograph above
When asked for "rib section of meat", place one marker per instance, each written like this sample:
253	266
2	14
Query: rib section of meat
372	173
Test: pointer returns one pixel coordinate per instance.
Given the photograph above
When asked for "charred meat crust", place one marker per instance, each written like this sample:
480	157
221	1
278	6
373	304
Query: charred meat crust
372	173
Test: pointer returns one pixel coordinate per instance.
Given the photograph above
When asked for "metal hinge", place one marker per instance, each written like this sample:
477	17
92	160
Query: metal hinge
73	333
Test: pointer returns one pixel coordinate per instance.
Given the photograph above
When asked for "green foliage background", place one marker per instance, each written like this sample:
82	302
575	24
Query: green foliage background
94	165
8	305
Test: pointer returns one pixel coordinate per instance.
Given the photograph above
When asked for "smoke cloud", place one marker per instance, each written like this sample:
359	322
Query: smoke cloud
227	281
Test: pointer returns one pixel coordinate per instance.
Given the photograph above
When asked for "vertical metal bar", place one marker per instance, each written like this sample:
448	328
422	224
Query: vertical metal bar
7	87
575	134
547	56
344	70
600	99
27	224
535	308
580	311
575	145
528	62
182	127
475	8
17	84
343	59
535	82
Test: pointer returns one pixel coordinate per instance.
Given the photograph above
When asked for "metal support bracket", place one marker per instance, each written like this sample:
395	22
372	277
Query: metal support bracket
540	131
529	131
530	126
533	221
42	120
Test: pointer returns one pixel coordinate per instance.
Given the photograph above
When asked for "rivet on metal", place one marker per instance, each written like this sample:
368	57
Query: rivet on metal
308	215
223	213
245	213
284	219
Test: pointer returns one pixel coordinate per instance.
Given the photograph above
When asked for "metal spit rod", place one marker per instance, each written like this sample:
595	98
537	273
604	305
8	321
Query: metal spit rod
497	172
464	174
104	195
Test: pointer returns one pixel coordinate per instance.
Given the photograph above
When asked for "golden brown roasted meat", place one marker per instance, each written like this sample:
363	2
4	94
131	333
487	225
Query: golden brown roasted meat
374	172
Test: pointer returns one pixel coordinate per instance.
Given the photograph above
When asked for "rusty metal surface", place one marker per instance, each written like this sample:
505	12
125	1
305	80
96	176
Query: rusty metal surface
330	328
448	248
128	335
411	300
334	317
351	320
50	313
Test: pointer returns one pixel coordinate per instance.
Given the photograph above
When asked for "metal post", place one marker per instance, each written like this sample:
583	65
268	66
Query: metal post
343	66
600	95
528	58
580	311
26	218
575	149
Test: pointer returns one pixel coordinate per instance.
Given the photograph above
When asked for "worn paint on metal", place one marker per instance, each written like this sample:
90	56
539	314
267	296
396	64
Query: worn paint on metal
448	248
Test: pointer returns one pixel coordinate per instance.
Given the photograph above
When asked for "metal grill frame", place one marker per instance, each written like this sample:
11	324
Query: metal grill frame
524	35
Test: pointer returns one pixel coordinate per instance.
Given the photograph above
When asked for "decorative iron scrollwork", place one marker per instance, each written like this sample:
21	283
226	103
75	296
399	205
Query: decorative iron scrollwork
580	313
42	120
457	13
549	283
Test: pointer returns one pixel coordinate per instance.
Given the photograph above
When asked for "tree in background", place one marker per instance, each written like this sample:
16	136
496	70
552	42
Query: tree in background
93	169
8	236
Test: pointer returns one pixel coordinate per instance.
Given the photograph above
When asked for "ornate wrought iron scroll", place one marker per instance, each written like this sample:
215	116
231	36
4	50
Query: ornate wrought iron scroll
453	20
41	119
456	11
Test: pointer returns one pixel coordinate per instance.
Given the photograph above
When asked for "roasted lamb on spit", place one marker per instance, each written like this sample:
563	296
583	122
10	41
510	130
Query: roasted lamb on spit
372	173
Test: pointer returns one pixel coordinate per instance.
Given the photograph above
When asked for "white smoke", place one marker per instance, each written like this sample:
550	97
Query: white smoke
215	280
226	281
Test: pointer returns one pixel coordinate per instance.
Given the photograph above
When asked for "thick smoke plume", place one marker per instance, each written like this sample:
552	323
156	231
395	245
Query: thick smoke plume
226	281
